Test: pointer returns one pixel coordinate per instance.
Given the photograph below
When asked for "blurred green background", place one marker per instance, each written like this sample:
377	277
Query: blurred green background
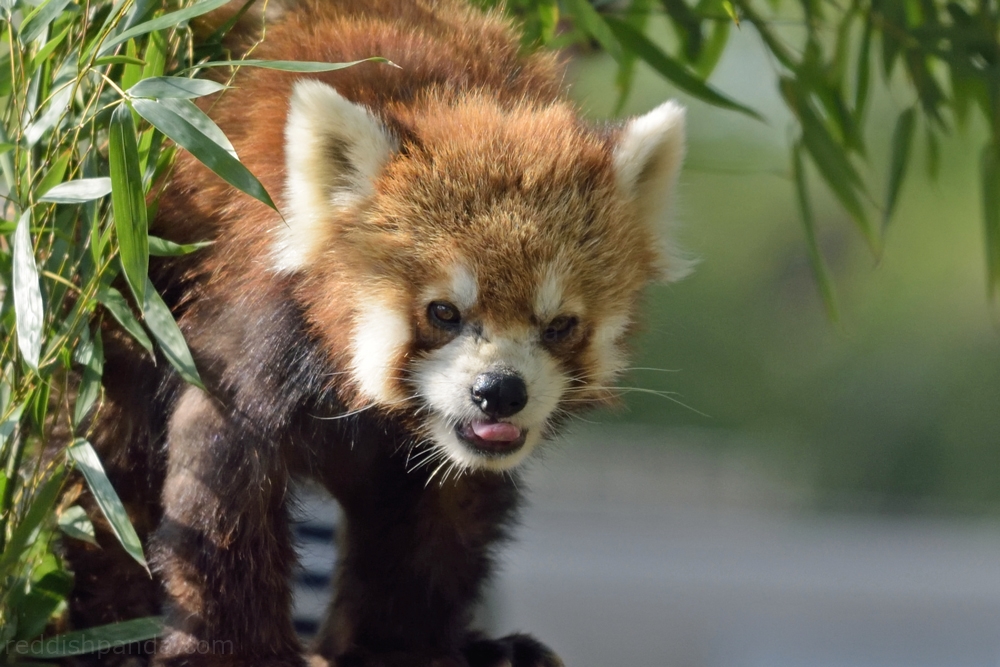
894	408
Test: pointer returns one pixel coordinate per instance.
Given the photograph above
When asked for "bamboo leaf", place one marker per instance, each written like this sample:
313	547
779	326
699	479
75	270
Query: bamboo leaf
181	130
54	175
104	637
78	191
75	523
50	46
673	70
170	20
166	332
163	248
39	19
42	501
83	455
595	25
127	200
28	307
174	86
289	65
187	110
119	60
113	300
90	355
902	140
820	271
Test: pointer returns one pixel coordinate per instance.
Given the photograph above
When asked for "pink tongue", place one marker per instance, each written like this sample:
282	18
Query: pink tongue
496	431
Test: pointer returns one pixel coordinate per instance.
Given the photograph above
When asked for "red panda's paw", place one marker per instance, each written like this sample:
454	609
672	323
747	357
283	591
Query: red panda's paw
511	651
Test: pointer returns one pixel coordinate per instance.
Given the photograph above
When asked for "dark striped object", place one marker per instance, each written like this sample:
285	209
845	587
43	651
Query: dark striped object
315	528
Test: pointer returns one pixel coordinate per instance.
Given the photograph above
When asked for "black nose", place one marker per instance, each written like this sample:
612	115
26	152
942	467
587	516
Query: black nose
499	394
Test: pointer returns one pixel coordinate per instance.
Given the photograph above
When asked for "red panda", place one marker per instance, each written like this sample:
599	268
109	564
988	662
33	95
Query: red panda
456	268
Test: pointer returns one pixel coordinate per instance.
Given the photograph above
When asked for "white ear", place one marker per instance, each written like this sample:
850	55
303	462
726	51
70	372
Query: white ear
334	150
647	162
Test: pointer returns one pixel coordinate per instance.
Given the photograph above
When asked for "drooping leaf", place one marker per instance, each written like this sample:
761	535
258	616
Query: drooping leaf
163	248
714	47
166	332
902	140
174	86
112	299
74	522
127	200
190	112
673	70
182	131
816	261
83	455
107	637
50	46
27	293
170	20
78	191
594	25
863	75
90	355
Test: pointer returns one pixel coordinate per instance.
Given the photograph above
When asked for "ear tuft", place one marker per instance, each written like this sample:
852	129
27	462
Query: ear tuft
334	151
647	162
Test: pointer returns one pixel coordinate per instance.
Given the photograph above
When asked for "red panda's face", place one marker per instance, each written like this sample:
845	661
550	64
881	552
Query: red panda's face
493	261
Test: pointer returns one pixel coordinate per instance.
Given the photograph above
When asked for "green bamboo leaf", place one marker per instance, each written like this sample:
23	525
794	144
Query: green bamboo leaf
39	19
54	175
119	60
673	70
42	501
181	130
816	261
170	20
90	355
902	140
713	50
190	112
174	86
87	461
548	19
166	332
74	522
990	166
50	46
594	25
113	300
104	637
28	311
78	191
863	76
127	200
163	248
288	65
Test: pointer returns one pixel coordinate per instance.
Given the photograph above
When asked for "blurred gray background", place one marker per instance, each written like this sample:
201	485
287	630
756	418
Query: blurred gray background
807	493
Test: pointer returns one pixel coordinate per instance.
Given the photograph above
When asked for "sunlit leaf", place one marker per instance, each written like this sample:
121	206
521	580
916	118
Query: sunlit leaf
166	332
50	46
174	86
78	191
187	110
119	60
171	20
110	636
88	463
182	131
902	140
289	65
127	200
27	293
39	19
54	175
74	522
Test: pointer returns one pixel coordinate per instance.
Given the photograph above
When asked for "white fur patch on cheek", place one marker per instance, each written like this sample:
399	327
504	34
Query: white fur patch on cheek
381	338
607	349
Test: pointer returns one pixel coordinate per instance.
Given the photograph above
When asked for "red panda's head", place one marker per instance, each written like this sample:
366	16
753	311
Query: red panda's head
478	268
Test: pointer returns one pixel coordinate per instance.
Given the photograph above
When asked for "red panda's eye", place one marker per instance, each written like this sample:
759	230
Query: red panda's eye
559	328
443	314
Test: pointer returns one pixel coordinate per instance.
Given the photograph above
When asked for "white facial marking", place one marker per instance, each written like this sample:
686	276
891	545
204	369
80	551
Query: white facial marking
381	336
334	150
608	350
464	288
549	297
444	378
